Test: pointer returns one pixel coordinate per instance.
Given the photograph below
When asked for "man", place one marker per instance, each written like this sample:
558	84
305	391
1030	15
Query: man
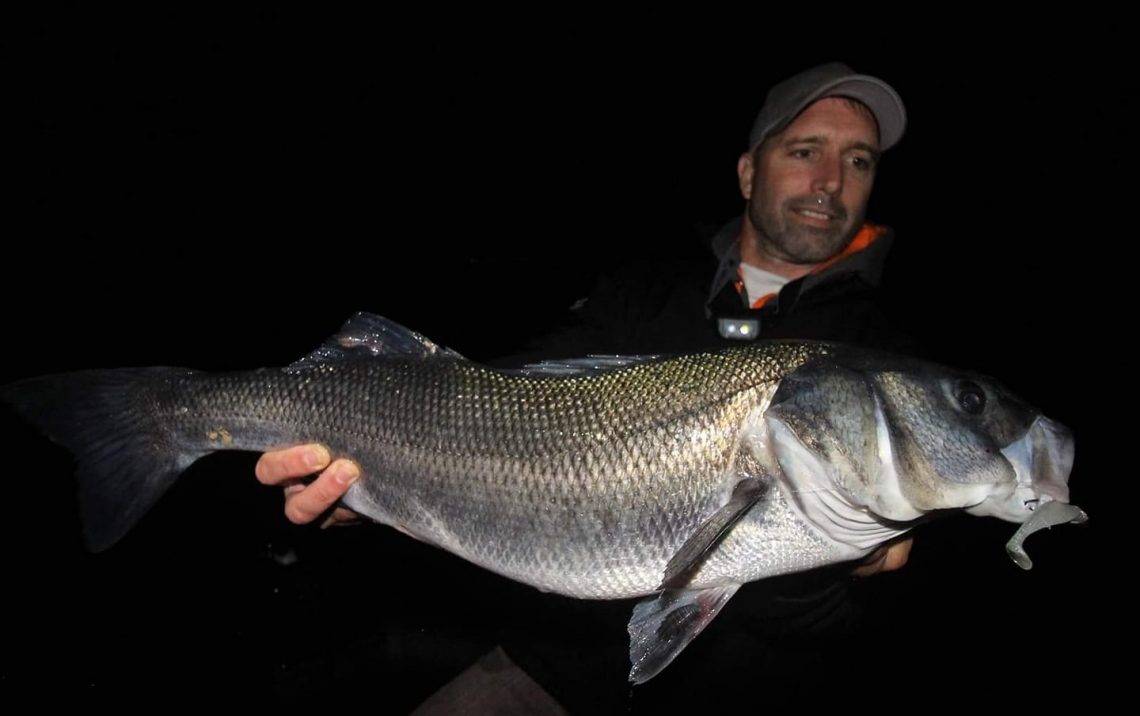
800	263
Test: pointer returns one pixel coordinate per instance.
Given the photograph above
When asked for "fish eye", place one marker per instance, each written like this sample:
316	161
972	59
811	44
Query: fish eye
971	397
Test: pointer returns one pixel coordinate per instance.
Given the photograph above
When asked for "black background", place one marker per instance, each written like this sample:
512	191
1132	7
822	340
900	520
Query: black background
221	189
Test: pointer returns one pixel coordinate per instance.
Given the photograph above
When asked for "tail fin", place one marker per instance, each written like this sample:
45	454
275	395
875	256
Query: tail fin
126	457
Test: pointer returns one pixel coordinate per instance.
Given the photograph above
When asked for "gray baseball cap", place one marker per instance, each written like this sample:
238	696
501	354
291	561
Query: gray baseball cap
786	100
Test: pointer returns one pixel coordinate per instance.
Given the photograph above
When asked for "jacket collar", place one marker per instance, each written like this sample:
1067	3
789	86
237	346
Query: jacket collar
867	263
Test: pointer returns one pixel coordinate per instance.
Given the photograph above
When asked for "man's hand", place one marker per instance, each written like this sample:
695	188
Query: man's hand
305	502
887	558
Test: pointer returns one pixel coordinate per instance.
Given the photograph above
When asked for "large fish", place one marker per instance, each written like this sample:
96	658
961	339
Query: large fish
675	479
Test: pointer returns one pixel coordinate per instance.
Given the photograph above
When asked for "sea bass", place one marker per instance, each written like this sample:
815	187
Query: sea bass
676	479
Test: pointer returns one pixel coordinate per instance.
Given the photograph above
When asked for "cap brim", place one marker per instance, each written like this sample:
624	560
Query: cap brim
880	97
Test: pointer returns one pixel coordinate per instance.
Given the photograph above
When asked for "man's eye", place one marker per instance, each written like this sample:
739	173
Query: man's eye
862	163
803	153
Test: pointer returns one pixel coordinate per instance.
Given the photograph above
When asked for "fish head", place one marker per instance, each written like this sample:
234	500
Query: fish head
963	440
900	438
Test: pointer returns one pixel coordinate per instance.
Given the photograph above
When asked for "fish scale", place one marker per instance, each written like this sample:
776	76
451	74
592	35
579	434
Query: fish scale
676	478
576	470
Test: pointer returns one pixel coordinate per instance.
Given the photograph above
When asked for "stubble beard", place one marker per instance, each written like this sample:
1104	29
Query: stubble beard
784	238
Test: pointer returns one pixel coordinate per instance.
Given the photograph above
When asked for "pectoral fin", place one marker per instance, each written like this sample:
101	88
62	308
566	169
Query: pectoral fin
701	543
663	625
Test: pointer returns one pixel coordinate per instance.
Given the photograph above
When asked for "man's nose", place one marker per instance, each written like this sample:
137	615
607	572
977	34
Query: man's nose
828	177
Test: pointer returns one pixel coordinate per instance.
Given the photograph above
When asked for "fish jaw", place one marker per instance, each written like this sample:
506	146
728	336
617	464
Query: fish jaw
1042	459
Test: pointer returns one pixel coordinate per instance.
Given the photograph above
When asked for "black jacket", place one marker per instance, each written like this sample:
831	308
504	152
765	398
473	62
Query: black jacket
674	306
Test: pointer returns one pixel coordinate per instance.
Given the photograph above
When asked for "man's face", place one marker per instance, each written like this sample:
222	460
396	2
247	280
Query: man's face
807	187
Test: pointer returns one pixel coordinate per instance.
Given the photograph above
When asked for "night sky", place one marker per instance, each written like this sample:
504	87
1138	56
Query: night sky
222	190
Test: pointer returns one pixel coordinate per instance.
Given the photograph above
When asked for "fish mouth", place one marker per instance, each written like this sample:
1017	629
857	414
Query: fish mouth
1049	448
1042	459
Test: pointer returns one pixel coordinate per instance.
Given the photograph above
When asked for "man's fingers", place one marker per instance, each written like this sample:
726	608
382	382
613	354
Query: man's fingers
310	502
277	466
897	555
885	559
306	502
340	517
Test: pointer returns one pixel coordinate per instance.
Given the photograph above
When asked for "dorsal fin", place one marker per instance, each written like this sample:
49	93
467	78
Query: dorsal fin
367	335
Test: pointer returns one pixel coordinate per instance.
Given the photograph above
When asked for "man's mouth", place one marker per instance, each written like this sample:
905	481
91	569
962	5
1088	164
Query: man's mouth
813	214
815	217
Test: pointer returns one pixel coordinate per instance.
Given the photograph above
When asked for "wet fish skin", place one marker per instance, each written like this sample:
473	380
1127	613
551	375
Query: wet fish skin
678	478
554	482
